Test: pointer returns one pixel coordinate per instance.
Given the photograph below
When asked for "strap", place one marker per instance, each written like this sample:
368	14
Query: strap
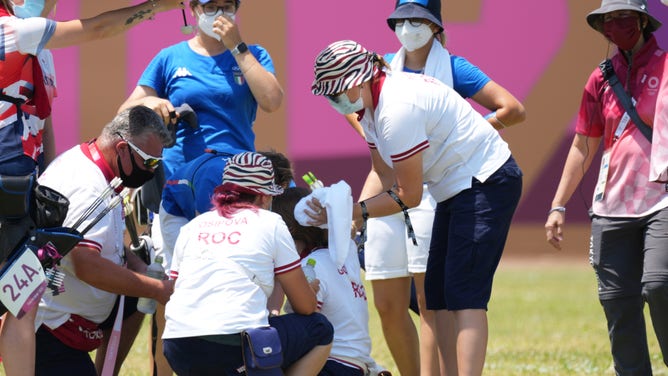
365	217
407	218
114	341
609	75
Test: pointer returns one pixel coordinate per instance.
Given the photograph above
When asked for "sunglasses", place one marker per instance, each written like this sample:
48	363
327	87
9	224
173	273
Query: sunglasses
415	22
150	162
212	8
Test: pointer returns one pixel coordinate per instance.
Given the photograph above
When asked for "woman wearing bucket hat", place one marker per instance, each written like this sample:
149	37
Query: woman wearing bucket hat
629	212
390	261
420	130
225	262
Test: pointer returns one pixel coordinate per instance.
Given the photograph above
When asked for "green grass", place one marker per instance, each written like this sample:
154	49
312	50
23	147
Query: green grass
544	320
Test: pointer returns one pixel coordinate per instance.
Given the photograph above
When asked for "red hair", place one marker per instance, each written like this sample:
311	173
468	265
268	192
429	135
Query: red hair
228	201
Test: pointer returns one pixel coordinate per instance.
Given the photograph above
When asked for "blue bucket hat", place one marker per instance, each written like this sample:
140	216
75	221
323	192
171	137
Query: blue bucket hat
426	9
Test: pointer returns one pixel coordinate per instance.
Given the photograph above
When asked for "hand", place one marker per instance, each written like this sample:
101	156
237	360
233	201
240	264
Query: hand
228	31
317	214
166	291
161	106
315	286
554	228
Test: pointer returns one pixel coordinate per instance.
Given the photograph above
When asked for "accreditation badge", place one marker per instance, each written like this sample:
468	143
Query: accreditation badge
599	191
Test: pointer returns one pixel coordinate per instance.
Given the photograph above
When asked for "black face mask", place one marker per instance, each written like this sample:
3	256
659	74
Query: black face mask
137	177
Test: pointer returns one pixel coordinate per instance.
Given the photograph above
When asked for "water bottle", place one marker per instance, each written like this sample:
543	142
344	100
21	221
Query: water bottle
309	270
313	182
154	270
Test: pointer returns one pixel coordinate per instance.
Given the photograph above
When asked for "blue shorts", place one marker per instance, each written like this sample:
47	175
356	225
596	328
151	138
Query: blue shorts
299	334
469	234
334	368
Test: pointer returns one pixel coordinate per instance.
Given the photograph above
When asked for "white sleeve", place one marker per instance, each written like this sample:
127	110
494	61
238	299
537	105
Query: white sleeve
33	33
179	250
170	225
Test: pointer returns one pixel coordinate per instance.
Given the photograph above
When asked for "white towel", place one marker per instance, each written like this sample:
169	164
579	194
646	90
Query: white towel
438	63
338	201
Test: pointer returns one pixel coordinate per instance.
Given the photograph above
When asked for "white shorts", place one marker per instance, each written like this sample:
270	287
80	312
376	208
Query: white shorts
389	252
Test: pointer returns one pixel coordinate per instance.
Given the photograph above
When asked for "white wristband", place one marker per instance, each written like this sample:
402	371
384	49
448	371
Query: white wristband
559	209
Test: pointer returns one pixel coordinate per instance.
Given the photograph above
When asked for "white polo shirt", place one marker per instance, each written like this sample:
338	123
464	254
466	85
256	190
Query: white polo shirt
417	113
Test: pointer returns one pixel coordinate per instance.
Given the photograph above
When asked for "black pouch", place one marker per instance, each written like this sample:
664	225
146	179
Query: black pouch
49	208
262	353
15	196
14	232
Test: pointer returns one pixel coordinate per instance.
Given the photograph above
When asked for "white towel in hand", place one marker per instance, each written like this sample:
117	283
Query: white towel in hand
338	201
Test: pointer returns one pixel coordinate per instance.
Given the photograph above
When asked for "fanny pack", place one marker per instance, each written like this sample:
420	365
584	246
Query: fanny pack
261	350
79	333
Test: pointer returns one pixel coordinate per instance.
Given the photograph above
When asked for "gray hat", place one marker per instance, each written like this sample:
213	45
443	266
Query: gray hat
595	18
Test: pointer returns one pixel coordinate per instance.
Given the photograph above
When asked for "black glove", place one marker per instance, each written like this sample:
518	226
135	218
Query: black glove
186	115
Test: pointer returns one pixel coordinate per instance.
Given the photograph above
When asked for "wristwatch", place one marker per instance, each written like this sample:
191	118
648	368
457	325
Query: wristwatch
239	49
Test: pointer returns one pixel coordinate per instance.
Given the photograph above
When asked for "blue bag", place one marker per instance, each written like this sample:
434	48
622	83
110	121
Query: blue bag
262	353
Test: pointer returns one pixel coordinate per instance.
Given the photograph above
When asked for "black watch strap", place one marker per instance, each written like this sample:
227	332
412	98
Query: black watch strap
239	49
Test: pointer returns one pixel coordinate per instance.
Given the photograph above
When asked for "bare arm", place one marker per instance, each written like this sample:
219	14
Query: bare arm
577	163
97	271
380	177
49	142
70	33
494	97
408	182
275	301
300	294
357	127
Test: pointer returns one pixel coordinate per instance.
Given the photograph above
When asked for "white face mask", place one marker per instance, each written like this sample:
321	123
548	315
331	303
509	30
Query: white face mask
413	37
30	8
344	106
205	23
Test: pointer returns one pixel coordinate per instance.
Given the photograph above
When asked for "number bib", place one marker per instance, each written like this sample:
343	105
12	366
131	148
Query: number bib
22	283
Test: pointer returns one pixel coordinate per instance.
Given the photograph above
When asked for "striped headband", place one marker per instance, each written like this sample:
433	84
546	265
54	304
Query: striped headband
341	66
251	173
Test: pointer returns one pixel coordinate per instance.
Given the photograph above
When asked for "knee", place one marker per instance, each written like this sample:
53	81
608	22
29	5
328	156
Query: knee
322	329
655	291
391	307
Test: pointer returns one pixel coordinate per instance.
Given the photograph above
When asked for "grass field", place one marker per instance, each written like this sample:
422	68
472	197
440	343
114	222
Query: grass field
544	320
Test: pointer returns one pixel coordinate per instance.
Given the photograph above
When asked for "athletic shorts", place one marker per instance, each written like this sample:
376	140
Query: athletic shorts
389	252
129	308
339	368
54	358
627	252
469	234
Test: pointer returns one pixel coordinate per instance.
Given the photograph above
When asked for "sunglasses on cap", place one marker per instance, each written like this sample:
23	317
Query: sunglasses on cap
150	162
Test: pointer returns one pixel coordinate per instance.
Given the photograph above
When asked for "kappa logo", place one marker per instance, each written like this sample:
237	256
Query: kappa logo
182	72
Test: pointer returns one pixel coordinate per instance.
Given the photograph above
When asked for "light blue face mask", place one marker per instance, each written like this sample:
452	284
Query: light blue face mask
30	8
343	105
